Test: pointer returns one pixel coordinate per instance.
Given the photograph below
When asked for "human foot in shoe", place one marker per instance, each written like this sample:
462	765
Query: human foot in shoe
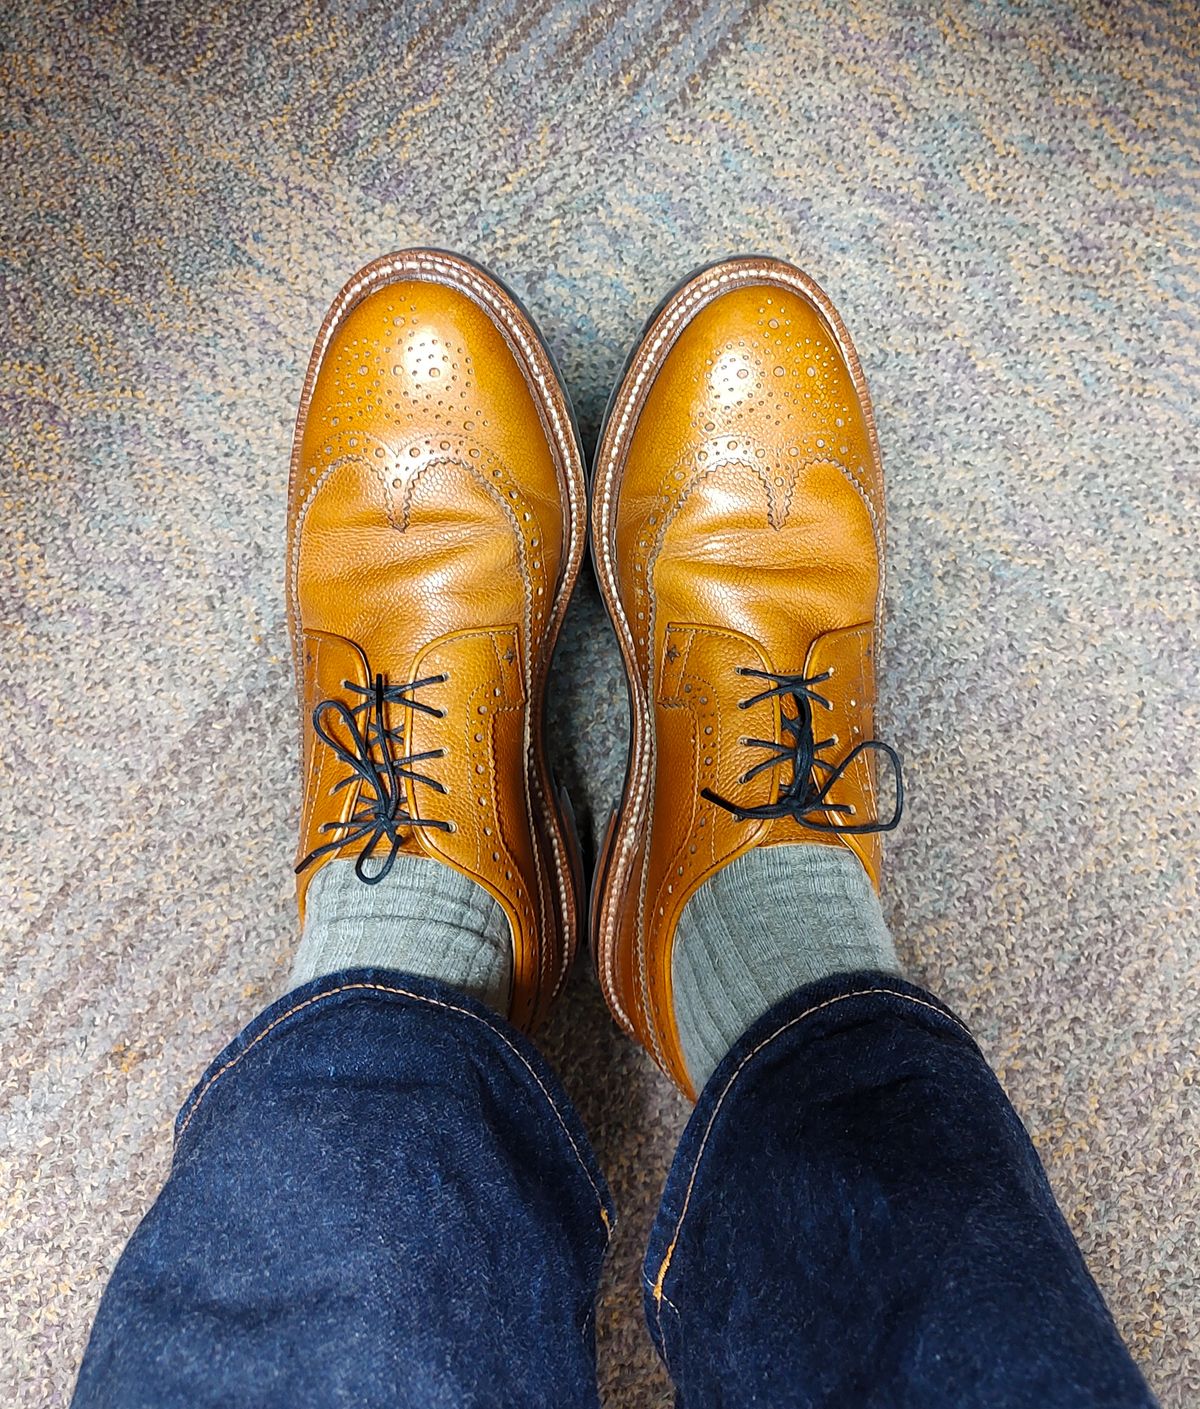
738	536
436	521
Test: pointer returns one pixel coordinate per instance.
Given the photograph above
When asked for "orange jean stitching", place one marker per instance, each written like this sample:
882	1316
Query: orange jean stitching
433	1003
657	1287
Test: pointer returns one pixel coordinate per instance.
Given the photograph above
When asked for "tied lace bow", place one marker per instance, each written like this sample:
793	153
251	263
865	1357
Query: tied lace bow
805	793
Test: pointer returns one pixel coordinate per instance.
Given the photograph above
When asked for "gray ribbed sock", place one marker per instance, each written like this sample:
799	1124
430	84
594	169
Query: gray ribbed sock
422	918
770	922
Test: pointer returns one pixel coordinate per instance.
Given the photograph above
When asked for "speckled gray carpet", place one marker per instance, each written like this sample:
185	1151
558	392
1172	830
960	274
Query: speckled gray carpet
1003	201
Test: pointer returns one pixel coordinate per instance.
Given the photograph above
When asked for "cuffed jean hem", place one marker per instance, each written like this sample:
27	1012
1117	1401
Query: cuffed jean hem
309	1002
856	1216
380	1196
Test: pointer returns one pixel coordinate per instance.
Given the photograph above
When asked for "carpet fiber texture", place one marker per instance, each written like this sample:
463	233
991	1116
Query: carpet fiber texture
1003	201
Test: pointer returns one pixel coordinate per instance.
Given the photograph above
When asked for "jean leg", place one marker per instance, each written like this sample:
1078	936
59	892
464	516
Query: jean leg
380	1195
857	1217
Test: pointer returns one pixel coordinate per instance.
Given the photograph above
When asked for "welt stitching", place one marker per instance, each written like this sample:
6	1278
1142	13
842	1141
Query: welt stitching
741	1066
565	441
419	998
642	782
650	1002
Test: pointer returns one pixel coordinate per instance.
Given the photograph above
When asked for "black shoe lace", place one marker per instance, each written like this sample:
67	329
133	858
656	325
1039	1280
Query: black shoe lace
804	793
380	810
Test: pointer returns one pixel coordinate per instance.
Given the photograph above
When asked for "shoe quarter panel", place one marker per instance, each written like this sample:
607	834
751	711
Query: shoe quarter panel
329	799
484	770
700	722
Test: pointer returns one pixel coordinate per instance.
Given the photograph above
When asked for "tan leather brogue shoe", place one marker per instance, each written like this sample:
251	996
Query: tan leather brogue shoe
738	536
436	522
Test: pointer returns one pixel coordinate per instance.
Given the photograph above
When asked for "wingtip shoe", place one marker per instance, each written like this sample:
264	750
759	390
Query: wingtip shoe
738	539
436	522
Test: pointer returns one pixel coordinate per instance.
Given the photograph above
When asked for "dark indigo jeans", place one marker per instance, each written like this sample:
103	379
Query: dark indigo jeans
381	1196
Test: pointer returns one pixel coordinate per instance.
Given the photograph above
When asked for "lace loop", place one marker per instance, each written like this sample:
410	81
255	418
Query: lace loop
380	812
805	793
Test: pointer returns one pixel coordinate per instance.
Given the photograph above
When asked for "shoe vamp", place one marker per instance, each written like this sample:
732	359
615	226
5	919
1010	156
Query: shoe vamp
454	561
780	579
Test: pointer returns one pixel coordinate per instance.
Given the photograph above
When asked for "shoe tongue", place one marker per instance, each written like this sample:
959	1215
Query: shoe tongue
702	725
849	653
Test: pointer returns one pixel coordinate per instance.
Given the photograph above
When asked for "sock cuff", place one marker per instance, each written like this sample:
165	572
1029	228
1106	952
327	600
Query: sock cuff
423	918
774	920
